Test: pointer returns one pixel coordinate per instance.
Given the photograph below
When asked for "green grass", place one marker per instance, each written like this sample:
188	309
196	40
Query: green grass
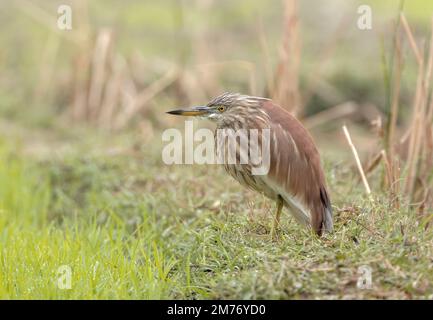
130	227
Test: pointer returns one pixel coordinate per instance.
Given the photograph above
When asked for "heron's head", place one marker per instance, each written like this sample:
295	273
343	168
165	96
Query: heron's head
224	107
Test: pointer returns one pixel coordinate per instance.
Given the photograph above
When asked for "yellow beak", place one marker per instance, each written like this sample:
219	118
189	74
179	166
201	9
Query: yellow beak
193	111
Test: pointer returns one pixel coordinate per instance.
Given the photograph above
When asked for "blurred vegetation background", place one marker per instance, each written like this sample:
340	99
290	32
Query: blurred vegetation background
82	180
170	53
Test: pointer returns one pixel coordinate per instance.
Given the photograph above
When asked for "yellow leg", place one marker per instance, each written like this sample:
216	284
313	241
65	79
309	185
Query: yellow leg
277	216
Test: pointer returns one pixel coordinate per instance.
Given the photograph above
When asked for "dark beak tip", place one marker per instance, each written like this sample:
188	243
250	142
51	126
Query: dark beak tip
194	111
175	112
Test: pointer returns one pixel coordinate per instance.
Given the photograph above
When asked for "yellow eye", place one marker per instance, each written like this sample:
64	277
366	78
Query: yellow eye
221	108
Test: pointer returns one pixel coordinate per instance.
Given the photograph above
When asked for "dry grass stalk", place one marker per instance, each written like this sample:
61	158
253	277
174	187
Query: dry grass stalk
415	137
111	97
388	158
391	179
141	99
107	95
266	56
373	163
82	62
395	99
98	72
428	163
428	141
188	88
417	143
358	161
388	173
286	83
79	105
418	119
339	111
396	177
411	38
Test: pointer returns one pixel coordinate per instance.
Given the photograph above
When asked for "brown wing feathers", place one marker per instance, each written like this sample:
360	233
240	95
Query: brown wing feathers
298	169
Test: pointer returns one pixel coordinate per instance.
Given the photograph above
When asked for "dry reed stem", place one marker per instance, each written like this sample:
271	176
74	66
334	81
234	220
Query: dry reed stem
418	119
358	162
388	173
83	60
391	179
373	163
395	100
339	111
418	133
141	99
112	92
98	72
420	126
80	86
411	38
188	87
428	141
286	82
414	142
428	165
396	177
266	56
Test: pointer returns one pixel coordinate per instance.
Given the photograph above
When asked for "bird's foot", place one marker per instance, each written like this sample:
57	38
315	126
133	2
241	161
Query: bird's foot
275	232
